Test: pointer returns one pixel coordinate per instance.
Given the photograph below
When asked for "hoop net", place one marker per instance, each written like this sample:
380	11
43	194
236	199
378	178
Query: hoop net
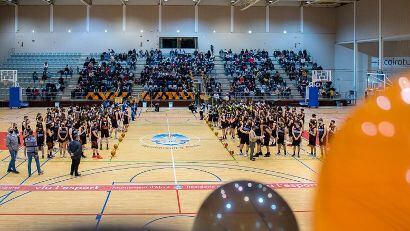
377	83
321	76
7	83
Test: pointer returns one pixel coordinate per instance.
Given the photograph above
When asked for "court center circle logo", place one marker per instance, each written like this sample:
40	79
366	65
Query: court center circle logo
169	140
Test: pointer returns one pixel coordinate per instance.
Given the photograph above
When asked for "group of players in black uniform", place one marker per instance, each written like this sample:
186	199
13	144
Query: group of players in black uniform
59	126
257	125
261	125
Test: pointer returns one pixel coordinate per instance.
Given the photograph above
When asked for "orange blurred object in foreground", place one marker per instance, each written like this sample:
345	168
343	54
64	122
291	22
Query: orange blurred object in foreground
365	180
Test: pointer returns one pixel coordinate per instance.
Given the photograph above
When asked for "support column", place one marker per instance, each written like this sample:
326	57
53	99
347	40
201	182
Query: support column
160	18
267	25
124	18
51	18
88	19
381	44
196	18
16	18
354	49
232	16
302	20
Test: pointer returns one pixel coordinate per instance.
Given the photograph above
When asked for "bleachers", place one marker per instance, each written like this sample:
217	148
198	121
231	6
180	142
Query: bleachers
292	85
27	63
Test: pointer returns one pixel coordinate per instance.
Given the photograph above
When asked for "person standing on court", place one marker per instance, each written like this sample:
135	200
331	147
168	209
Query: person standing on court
253	138
134	108
32	152
12	144
201	111
76	151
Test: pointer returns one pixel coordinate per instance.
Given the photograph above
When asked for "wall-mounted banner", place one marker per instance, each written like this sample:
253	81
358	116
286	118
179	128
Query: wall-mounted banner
392	62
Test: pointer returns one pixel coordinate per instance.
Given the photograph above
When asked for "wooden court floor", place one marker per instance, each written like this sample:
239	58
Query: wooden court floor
157	186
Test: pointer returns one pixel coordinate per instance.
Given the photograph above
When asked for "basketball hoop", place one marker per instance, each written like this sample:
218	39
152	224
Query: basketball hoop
8	78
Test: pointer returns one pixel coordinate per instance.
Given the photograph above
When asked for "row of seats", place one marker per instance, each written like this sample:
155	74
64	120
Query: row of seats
27	63
46	54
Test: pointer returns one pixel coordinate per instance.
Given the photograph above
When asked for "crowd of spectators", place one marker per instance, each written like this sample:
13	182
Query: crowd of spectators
125	59
110	74
67	71
212	86
47	92
253	73
296	66
175	72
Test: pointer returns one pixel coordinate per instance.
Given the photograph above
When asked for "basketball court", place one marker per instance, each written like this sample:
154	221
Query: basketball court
152	181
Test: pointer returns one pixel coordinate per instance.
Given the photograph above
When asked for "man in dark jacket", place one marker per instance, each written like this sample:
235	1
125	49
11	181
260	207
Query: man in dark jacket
75	150
32	152
13	146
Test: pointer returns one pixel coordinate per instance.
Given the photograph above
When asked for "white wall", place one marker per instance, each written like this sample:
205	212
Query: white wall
34	18
142	18
212	18
70	18
396	17
106	18
284	18
318	36
180	18
252	19
343	74
6	30
395	26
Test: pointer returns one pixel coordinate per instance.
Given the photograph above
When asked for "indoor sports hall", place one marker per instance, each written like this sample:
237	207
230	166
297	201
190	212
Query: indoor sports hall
206	115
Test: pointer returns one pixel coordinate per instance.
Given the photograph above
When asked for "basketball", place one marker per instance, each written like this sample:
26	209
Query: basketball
375	132
310	97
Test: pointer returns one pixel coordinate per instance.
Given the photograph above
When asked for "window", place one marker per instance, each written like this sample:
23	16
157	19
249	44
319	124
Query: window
178	42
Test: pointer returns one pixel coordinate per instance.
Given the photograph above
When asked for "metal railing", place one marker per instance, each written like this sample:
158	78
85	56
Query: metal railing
42	97
55	97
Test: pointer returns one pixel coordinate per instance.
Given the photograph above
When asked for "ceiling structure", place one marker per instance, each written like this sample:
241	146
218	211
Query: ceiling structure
243	4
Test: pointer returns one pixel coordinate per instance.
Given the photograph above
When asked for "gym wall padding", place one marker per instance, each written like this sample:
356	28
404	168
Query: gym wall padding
158	96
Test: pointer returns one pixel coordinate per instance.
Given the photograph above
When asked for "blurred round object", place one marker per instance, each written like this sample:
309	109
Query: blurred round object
231	152
113	153
225	145
365	180
120	139
115	146
216	133
238	206
122	135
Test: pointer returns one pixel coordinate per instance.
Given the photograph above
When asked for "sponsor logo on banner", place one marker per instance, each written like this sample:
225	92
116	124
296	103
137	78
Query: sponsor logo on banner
134	187
391	62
